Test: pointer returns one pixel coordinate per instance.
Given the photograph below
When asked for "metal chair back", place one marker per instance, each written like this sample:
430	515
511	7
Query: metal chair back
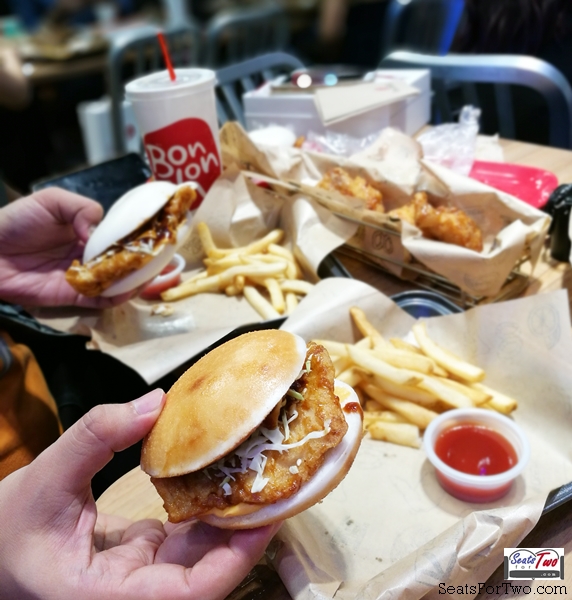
138	53
177	12
241	33
502	71
235	80
420	25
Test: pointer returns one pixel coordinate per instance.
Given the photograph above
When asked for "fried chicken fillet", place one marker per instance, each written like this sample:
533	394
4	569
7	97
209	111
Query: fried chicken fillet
341	181
135	250
309	415
444	223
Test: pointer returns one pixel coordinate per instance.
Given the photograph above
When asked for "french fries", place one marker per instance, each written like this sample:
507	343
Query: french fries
264	272
371	363
444	358
365	327
403	387
403	434
409	410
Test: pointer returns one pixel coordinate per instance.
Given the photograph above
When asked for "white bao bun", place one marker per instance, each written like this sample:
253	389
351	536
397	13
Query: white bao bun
337	462
126	215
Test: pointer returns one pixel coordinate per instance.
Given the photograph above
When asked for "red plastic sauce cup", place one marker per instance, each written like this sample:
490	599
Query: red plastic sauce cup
169	277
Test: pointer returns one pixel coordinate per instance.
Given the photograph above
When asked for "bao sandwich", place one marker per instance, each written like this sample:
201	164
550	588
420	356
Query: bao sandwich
135	241
254	432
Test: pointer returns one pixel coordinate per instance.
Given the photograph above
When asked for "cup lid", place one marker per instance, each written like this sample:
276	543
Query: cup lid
158	85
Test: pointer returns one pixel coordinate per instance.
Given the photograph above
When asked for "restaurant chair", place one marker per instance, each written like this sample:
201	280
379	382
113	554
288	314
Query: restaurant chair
138	53
420	25
503	72
235	80
237	34
177	12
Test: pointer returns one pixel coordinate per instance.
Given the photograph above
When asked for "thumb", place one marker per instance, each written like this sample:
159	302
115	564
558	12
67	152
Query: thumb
66	207
87	446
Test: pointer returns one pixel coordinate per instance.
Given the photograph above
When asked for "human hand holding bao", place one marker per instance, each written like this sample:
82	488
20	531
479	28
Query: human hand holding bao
53	544
40	235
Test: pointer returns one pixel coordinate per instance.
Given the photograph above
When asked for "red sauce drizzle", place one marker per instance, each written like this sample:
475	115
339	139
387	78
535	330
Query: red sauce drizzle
352	407
475	449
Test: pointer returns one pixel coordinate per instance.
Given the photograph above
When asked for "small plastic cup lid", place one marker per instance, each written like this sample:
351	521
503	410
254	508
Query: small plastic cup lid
159	85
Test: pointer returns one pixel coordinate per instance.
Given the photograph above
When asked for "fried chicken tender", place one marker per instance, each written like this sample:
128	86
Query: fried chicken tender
196	493
408	212
135	250
444	223
340	180
452	225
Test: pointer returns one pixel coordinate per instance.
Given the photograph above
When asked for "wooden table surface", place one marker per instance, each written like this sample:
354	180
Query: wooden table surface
133	495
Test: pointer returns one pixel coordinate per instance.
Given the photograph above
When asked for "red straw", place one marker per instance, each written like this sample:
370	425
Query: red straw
166	56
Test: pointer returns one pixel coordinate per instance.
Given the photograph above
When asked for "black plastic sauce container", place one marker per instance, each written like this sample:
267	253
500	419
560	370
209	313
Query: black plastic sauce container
559	206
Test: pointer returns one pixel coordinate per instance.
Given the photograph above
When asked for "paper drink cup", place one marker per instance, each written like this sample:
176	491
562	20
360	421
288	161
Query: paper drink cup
178	123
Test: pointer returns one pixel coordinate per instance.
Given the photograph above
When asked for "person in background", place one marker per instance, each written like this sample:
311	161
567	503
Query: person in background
15	95
34	13
53	543
540	28
14	89
349	32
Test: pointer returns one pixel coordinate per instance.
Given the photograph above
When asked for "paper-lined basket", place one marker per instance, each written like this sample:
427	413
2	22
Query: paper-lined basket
513	231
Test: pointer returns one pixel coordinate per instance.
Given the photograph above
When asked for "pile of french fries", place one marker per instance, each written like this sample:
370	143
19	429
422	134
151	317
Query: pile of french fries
403	386
266	273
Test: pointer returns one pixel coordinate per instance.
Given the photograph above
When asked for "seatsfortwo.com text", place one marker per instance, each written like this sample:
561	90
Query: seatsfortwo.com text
507	588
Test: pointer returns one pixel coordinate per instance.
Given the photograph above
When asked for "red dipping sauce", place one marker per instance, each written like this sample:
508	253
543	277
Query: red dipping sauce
477	454
475	449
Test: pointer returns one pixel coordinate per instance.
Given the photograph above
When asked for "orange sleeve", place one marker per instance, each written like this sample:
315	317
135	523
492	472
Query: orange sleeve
29	420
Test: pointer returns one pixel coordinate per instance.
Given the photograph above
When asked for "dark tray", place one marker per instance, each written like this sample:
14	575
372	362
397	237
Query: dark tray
80	378
105	182
423	303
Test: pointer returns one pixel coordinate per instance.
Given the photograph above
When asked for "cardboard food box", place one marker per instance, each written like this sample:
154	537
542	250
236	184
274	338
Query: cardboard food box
298	111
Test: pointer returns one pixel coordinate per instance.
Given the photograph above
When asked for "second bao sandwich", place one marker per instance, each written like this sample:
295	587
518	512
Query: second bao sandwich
137	238
256	431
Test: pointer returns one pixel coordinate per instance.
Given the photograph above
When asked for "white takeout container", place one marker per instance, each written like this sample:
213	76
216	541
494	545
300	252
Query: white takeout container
298	110
476	488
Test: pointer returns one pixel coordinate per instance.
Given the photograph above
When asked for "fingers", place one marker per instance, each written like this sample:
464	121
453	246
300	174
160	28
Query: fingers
224	567
188	542
253	541
71	462
109	530
102	302
68	207
214	575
